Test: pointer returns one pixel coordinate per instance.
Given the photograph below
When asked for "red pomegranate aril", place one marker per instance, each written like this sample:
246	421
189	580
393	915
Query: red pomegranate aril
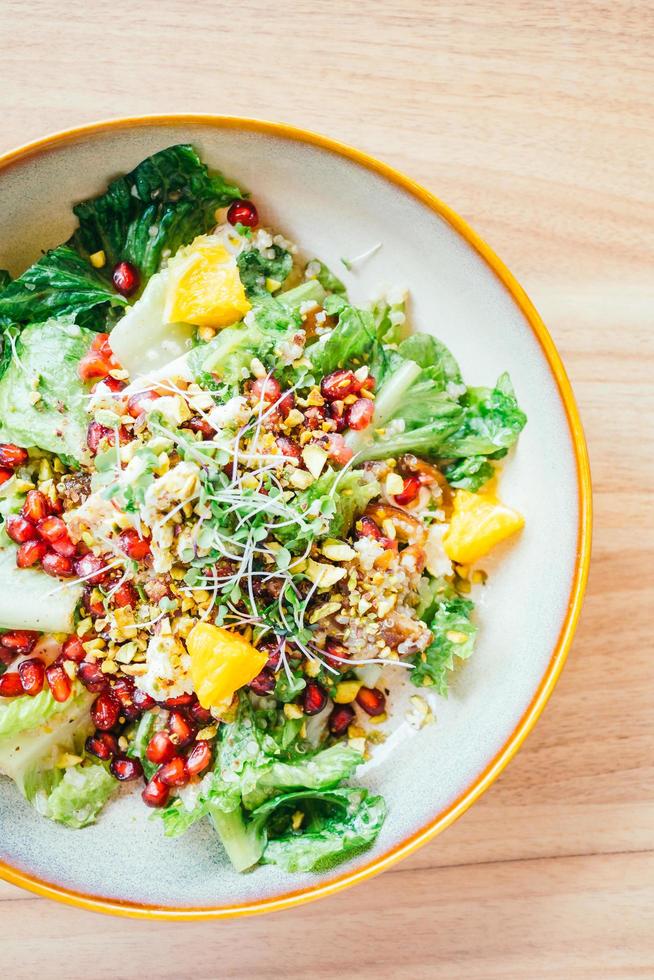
337	415
160	748
368	383
367	528
338	450
103	745
314	416
263	683
105	711
180	730
123	690
36	506
201	716
125	769
337	655
125	278
266	390
314	698
198	758
5	475
11	686
32	675
125	595
72	649
141	402
20	530
409	492
92	677
59	682
59	566
141	700
371	700
155	793
289	448
173	773
338	385
181	701
52	528
286	404
113	384
134	545
201	425
359	414
96	433
340	719
91	568
243	213
12	456
92	367
20	641
64	546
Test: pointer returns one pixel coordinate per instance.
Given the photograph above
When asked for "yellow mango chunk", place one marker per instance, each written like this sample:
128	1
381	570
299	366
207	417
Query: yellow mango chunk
221	663
479	522
204	286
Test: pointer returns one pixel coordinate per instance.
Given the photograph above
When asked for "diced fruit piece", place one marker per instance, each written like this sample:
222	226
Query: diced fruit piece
134	545
181	701
155	793
10	686
123	690
57	565
181	730
36	506
243	213
314	416
64	546
20	530
204	286
263	683
173	773
141	402
479	522
289	448
221	663
58	681
314	698
125	769
20	641
372	700
125	278
92	367
141	700
338	385
365	527
125	595
32	675
91	568
359	414
340	719
199	758
409	491
103	745
92	677
265	390
52	528
105	711
96	433
198	424
201	716
338	450
5	475
12	456
72	649
160	748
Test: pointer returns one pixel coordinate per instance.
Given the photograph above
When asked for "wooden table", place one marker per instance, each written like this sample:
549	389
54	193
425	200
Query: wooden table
534	120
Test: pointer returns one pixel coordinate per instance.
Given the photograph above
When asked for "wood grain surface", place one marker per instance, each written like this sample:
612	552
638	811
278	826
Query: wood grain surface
534	121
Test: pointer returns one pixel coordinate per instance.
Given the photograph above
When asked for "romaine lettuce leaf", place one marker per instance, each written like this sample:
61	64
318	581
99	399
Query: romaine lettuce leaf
322	770
433	357
353	339
470	473
330	282
453	638
47	358
254	268
27	601
337	498
165	202
80	794
5	279
23	713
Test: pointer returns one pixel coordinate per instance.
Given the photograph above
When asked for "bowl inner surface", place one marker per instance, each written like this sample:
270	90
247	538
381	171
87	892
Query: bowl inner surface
332	207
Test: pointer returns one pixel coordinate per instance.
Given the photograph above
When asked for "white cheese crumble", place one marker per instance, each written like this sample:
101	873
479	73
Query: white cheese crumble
168	669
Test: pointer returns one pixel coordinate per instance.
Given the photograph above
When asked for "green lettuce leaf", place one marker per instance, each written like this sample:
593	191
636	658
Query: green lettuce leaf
453	638
46	365
335	501
321	770
24	713
5	279
254	268
79	796
469	473
327	279
165	202
353	339
434	358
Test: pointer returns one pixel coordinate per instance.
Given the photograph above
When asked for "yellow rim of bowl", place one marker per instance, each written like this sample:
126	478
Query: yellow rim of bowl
560	651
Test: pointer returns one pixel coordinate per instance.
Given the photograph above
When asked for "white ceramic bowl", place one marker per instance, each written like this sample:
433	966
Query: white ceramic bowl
335	201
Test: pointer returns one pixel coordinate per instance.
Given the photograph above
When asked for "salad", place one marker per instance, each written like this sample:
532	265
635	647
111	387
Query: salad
238	515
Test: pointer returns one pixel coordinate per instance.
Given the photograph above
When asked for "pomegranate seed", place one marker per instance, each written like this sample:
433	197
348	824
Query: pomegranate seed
58	682
36	506
73	649
314	416
5	475
367	528
92	568
289	448
52	528
265	389
409	492
198	758
64	546
198	424
141	402
341	718
19	530
337	655
314	698
93	366
100	345
123	690
160	748
243	213
336	413
96	433
113	384
201	716
92	677
338	385
359	414
103	745
57	565
155	793
182	701
338	450
180	730
125	278
141	700
173	773
10	686
263	683
105	711
286	404
125	769
20	641
125	595
134	545
12	456
368	383
32	675
371	700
